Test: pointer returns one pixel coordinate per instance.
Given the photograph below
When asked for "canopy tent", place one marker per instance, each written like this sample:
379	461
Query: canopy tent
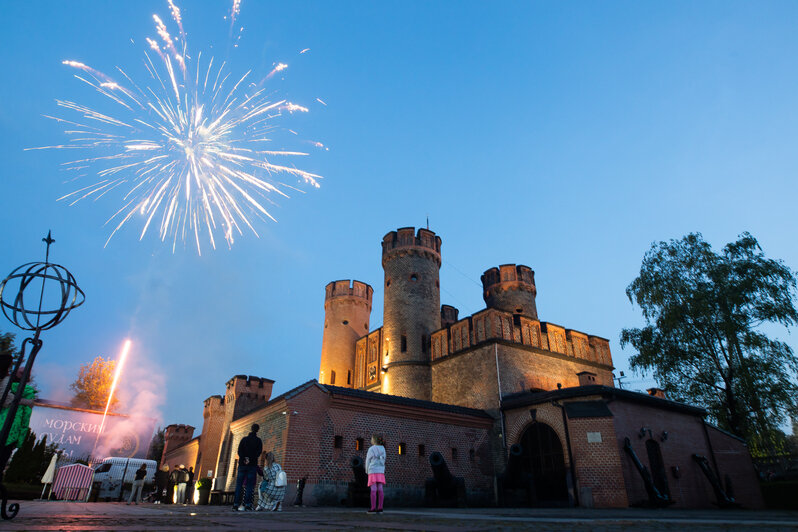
71	481
49	474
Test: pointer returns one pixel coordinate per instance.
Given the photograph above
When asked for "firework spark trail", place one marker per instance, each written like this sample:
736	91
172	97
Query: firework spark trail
187	147
119	365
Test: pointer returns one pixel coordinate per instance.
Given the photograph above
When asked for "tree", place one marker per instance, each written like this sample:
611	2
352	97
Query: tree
94	384
703	337
156	446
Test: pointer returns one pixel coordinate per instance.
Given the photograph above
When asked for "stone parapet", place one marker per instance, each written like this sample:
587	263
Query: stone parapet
406	240
492	324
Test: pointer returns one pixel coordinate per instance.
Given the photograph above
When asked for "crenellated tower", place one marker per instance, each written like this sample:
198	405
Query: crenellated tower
411	312
510	288
347	310
174	436
213	411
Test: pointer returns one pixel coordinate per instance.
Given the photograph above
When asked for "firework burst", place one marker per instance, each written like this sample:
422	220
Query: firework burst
188	149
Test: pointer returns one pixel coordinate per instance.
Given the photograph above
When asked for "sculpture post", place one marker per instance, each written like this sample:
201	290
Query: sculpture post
36	319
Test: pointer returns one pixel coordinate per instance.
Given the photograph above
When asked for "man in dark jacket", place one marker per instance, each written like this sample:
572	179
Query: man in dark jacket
190	486
248	453
182	484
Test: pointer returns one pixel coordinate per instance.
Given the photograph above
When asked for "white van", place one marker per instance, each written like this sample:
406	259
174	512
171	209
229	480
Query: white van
109	474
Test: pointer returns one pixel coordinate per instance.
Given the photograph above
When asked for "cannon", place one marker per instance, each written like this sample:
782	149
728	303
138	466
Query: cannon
516	485
358	490
725	499
655	498
443	489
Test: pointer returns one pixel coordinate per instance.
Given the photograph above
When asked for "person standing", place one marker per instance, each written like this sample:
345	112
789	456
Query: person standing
161	482
174	480
190	487
138	484
375	467
272	494
248	452
182	482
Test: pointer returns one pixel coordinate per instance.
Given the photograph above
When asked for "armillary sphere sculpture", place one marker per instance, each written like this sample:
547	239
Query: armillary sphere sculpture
35	297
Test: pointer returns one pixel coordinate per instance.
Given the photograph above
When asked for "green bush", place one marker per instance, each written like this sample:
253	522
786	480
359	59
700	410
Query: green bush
205	483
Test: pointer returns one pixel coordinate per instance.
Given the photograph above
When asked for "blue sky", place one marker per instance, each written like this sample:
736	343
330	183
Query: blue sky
564	136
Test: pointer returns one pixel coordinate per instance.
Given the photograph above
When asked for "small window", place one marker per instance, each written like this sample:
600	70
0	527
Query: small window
414	277
472	455
517	318
349	377
104	468
338	442
388	283
345	322
454	453
359	444
332	377
401	449
422	451
519	310
403	348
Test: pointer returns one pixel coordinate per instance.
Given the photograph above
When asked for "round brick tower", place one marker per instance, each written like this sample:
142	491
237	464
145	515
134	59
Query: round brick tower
412	309
510	288
347	309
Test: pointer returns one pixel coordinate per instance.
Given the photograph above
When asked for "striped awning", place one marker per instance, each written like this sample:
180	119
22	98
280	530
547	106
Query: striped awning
73	482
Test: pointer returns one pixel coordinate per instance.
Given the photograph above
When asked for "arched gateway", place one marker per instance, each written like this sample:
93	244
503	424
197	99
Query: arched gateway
543	459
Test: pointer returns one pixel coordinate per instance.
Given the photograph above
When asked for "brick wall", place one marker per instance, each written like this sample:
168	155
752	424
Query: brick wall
597	462
303	442
689	487
185	455
734	461
469	379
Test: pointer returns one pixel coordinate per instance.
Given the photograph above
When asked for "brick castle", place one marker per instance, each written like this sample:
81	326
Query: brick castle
524	411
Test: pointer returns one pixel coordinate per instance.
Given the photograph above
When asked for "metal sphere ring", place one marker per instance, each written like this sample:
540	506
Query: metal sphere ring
50	306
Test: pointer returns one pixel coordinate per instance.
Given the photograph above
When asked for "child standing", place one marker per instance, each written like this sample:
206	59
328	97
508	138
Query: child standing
375	467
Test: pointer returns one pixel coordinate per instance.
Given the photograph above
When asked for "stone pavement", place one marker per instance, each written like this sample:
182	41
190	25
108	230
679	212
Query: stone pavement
39	515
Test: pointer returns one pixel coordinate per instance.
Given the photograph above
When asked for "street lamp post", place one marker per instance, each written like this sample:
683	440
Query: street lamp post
36	318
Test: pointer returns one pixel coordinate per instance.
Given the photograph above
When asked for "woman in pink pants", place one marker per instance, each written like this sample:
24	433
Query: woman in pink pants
375	467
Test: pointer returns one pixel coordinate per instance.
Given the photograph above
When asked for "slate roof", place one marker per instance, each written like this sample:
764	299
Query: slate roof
404	401
529	398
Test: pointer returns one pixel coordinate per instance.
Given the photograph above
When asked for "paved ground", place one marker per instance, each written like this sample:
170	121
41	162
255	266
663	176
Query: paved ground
35	515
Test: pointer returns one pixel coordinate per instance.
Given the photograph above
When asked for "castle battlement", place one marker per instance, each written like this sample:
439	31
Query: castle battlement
510	288
493	324
448	315
213	404
242	382
407	240
509	277
348	289
179	429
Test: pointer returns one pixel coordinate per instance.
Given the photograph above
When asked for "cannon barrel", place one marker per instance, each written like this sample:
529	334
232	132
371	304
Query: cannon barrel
359	469
444	488
440	470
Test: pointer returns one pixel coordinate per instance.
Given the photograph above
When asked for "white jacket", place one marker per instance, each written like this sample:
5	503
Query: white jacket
375	460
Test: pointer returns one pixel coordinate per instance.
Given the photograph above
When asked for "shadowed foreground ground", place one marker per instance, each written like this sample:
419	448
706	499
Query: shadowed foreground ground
35	515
